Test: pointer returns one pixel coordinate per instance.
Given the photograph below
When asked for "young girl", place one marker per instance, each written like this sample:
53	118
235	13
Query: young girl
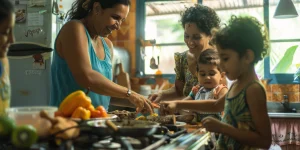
209	77
245	124
7	22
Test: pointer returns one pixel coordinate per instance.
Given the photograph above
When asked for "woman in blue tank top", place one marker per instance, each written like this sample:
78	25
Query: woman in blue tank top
82	56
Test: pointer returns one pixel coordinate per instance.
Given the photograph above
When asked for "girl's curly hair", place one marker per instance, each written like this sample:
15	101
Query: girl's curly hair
242	33
204	17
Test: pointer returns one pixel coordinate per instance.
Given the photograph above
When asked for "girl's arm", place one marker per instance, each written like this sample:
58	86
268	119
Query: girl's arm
204	106
223	92
256	99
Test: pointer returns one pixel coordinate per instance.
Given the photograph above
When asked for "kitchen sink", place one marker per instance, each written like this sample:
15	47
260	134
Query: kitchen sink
283	114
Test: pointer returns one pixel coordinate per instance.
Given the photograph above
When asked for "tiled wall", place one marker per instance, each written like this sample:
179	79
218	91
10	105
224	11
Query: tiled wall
125	37
275	92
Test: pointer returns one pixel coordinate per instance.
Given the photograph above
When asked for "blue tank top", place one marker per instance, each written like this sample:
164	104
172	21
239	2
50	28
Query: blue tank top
63	82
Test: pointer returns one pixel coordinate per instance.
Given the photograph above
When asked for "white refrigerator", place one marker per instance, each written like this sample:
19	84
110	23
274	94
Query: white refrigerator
37	24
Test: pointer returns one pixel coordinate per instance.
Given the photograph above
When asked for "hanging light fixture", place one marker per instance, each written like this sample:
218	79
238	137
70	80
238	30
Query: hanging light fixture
285	9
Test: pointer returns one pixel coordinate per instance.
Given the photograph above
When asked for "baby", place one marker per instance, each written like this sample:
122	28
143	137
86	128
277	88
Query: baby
209	77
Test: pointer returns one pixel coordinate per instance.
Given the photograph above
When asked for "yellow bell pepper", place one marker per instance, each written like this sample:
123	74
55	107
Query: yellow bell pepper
81	113
73	101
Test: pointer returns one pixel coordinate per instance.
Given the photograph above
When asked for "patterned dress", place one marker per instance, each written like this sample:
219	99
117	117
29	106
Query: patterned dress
237	114
183	73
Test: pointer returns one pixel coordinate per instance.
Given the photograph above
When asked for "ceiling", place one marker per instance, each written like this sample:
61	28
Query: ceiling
175	7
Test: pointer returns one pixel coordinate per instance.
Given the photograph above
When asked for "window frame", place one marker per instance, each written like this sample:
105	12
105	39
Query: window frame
140	26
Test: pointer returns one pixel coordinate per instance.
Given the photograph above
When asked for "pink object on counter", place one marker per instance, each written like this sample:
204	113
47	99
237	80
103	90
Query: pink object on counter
286	132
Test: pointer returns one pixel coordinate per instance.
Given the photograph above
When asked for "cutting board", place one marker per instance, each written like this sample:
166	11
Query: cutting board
123	77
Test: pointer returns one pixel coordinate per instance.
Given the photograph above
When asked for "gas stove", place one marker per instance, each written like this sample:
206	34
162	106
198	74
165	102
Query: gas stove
93	142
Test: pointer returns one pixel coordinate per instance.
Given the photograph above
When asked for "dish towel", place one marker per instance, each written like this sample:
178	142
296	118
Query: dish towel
286	133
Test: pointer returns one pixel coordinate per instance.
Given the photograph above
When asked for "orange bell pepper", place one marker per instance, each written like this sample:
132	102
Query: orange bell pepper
102	110
81	113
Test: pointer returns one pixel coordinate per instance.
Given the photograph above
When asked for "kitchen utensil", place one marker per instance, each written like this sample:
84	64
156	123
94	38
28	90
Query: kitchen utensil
135	128
176	127
145	90
109	117
123	77
153	64
31	115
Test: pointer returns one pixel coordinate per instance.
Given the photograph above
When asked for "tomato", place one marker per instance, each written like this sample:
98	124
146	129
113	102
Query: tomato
96	114
102	110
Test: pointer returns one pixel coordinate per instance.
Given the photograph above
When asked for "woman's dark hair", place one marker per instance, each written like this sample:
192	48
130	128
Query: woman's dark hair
204	17
244	33
6	8
78	11
209	57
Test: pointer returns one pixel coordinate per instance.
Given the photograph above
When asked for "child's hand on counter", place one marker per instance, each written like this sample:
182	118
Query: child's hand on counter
213	125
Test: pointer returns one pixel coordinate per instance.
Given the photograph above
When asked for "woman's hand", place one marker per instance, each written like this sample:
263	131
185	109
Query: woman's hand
156	98
141	103
167	108
213	125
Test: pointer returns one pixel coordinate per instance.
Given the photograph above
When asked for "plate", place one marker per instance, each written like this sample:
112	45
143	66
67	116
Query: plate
109	117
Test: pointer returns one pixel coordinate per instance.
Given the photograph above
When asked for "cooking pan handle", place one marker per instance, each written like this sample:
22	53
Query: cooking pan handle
123	141
111	125
177	133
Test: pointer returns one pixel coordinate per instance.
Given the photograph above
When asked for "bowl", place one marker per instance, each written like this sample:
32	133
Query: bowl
31	116
185	118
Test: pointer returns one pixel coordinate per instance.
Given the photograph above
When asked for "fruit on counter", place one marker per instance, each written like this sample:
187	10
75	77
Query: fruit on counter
90	107
82	113
102	110
24	136
7	125
96	114
74	100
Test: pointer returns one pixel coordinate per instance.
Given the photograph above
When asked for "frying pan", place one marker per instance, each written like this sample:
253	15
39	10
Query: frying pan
133	128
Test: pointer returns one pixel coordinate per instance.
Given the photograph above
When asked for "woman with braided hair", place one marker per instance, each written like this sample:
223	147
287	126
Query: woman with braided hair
82	56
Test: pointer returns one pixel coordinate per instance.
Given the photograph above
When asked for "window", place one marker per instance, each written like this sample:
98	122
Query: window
285	41
162	24
251	9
